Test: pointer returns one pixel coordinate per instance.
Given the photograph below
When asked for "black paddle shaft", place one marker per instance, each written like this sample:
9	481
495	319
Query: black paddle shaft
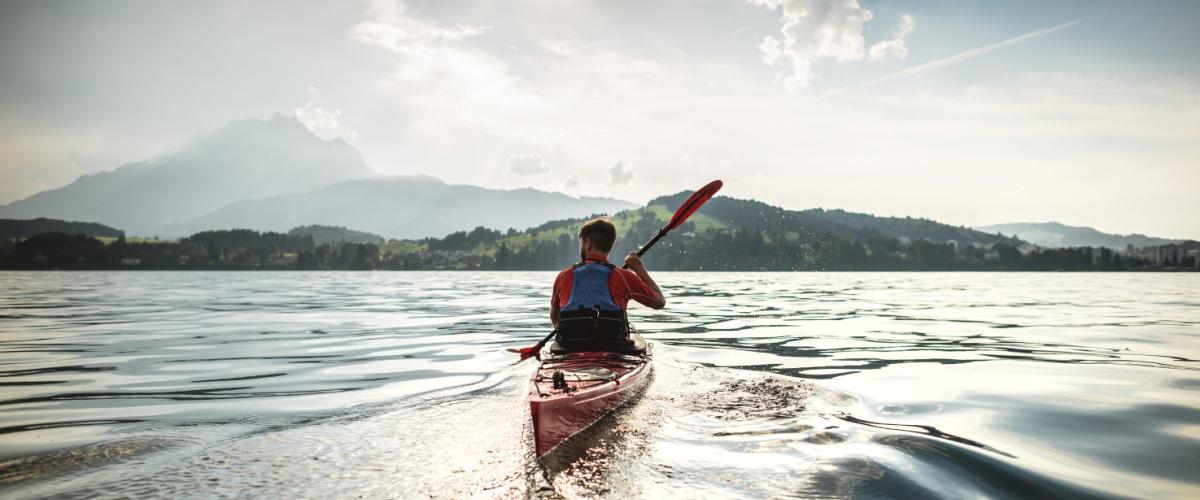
543	342
642	251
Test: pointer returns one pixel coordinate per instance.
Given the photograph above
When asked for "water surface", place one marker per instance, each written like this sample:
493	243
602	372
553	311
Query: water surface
880	385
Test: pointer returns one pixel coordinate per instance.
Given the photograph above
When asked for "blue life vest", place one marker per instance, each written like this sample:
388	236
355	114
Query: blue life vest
591	320
589	288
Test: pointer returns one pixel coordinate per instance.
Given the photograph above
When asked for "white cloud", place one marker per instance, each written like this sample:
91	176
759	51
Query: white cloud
530	164
619	175
391	28
321	122
823	29
894	47
442	83
571	182
813	30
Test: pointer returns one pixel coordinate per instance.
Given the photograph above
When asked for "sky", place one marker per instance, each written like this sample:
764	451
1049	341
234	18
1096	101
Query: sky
966	112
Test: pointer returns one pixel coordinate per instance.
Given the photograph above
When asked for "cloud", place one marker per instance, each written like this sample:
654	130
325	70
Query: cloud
970	54
530	164
572	181
820	29
443	83
893	47
391	28
320	122
618	175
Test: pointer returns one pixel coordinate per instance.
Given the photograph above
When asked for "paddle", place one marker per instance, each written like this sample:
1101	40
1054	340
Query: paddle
682	213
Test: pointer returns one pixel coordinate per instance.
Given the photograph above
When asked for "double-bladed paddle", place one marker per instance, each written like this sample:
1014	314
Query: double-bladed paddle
689	207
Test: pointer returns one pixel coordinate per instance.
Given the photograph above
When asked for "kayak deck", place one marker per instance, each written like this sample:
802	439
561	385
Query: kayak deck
591	385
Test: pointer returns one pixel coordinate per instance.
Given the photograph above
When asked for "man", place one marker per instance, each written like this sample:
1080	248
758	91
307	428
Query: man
590	298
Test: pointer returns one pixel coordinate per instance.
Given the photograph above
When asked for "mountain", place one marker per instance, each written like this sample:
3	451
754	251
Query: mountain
851	226
1055	235
402	207
15	229
275	175
907	227
245	159
729	234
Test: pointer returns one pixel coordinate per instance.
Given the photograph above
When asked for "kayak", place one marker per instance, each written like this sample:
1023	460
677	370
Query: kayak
569	392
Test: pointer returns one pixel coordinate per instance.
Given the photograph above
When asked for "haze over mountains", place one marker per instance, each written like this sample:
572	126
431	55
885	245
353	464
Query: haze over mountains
275	175
245	159
1056	235
402	207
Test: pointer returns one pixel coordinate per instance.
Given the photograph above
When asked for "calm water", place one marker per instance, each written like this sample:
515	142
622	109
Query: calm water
766	385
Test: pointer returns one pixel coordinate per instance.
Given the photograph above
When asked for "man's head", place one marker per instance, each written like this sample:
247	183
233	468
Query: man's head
597	236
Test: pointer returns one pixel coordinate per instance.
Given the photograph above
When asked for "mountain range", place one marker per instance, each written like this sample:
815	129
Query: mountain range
402	207
274	175
1056	235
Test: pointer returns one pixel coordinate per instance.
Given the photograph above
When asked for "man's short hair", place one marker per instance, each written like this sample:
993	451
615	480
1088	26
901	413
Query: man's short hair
601	232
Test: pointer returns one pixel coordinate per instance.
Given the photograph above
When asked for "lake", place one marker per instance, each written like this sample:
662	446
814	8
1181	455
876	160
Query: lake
397	384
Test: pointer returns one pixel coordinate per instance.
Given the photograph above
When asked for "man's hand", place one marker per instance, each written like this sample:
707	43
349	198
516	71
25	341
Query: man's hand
635	263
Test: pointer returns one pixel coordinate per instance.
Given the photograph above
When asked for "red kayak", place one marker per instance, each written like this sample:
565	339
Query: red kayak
570	392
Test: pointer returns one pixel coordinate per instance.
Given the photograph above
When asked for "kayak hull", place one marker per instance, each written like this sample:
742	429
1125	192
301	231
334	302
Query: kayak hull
593	384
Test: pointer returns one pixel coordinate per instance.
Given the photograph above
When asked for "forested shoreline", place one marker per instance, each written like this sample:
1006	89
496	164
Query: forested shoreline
485	249
726	235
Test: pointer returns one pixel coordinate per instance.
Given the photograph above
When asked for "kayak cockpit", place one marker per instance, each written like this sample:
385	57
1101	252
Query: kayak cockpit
634	345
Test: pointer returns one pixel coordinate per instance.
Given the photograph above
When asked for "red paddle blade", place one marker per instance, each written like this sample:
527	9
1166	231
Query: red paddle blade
694	203
526	352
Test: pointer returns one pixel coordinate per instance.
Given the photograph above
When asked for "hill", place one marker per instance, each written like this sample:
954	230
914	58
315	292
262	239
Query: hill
15	229
1056	235
730	234
243	160
856	227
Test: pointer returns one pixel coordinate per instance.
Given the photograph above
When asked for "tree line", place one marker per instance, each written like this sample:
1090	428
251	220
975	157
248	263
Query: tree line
686	249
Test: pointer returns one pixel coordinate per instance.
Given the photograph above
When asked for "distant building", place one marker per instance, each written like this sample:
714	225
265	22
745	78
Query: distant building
131	262
1171	255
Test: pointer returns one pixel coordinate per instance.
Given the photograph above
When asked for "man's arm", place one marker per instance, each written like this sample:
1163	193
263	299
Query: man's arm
554	309
658	301
554	300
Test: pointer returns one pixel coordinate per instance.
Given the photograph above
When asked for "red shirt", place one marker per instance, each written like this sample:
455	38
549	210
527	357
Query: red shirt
623	285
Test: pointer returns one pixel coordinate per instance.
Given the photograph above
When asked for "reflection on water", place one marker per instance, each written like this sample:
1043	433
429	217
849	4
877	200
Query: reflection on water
888	385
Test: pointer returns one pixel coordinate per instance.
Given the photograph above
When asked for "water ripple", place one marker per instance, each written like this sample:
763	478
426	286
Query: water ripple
887	385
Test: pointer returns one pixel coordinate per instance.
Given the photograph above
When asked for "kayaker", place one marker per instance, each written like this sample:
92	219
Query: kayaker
590	298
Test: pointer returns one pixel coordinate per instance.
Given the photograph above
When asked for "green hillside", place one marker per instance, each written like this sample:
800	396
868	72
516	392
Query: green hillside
16	229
